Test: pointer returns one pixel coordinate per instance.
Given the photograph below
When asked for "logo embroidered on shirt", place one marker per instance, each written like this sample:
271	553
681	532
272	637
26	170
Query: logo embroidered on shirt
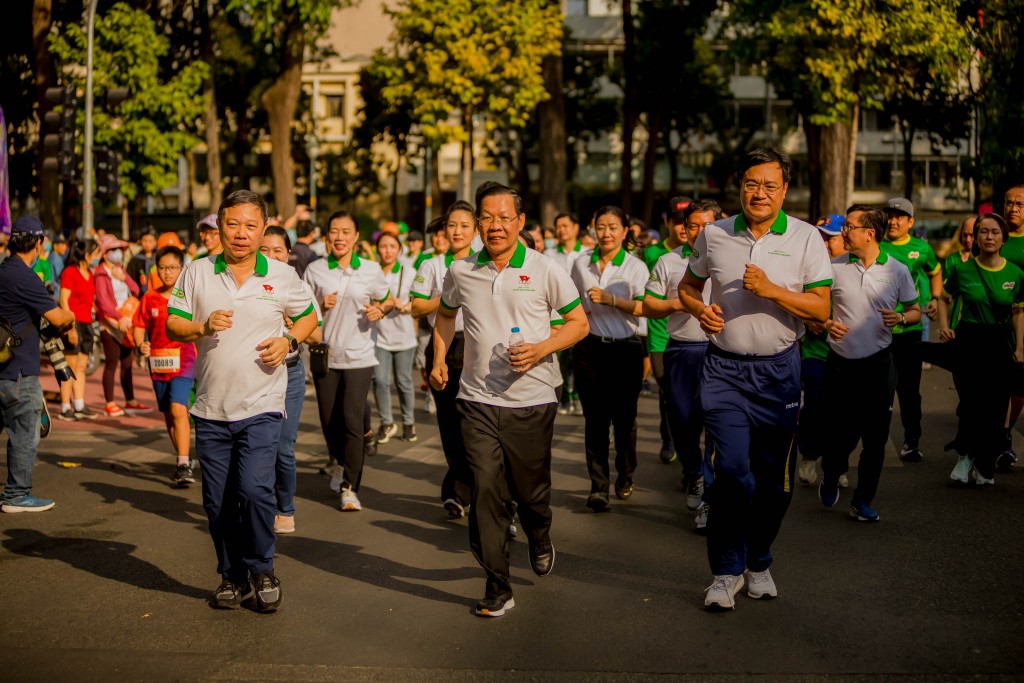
268	288
178	293
914	254
792	405
524	284
776	252
524	279
1009	285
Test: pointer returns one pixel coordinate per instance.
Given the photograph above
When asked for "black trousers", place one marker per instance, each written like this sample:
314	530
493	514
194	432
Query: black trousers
341	399
664	388
609	377
859	393
906	353
983	374
458	480
513	445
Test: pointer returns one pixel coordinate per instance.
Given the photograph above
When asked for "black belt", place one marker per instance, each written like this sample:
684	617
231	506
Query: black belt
292	362
614	340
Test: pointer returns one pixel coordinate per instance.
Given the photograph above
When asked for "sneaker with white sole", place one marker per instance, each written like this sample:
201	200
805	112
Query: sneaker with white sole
694	493
385	432
962	471
982	480
910	453
1005	461
828	495
350	501
284	524
721	594
27	503
409	433
454	508
807	472
336	479
701	520
862	512
760	585
494	606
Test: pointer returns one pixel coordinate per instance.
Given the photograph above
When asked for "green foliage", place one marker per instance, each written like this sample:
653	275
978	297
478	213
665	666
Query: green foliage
835	55
156	124
268	17
478	57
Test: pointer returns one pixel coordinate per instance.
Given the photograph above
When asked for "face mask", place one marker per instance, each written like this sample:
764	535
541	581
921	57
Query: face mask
550	243
95	262
47	247
115	256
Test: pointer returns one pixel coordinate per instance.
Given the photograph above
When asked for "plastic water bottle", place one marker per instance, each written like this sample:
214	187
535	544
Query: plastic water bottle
515	340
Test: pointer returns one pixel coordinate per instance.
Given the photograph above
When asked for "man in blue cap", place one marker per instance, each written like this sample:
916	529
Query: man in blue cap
21	397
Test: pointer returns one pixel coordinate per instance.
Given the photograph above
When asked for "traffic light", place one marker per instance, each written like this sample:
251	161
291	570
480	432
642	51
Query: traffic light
59	143
107	184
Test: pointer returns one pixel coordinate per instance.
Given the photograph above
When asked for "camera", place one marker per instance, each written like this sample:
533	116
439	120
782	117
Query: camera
54	350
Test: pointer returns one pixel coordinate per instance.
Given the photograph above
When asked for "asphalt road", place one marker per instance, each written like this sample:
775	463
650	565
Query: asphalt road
112	584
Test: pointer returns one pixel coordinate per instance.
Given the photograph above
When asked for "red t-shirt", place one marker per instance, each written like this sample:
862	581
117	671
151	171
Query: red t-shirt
83	293
151	316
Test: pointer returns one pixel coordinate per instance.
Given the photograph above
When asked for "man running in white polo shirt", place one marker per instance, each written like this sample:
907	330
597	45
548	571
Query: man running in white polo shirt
860	374
506	396
768	272
231	305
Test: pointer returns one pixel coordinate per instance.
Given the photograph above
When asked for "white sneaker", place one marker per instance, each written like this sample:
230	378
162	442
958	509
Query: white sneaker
980	480
962	471
430	405
336	479
350	501
694	493
760	585
843	481
701	520
721	595
807	472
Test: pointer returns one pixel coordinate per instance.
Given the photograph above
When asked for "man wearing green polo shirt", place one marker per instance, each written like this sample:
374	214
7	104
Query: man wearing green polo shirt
567	232
1013	251
231	306
657	328
918	256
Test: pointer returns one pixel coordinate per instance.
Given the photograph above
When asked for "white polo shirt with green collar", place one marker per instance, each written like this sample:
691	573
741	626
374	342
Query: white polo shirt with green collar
792	255
664	284
428	283
347	331
567	257
232	383
858	293
624	277
523	294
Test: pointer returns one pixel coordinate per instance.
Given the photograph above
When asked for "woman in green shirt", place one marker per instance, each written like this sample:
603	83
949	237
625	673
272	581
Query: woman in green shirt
990	340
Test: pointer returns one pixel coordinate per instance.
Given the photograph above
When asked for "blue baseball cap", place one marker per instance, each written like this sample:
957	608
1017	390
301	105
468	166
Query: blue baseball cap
833	225
28	225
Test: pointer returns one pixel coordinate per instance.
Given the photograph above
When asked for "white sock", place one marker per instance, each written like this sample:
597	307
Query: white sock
183	459
79	404
64	407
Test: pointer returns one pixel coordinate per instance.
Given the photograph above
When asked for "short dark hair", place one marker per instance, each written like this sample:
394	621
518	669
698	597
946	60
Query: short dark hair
637	221
23	244
338	215
872	217
460	205
700	206
240	197
436	225
630	243
304	228
568	214
280	232
380	238
1000	221
768	154
170	250
496	190
78	251
484	187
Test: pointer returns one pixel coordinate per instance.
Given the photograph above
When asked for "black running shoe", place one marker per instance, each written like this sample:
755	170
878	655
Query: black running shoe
268	592
494	606
183	476
230	595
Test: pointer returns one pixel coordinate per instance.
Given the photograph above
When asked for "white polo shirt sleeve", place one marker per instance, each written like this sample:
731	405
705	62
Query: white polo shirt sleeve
451	298
300	300
906	290
562	292
698	266
379	288
424	283
817	265
180	303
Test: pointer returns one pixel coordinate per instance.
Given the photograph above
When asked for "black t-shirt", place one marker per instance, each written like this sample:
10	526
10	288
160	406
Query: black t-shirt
301	257
138	270
23	300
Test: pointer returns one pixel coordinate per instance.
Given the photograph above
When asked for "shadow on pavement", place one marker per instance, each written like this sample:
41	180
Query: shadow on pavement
104	558
171	508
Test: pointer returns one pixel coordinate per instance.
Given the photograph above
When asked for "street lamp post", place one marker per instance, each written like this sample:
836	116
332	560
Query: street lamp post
87	171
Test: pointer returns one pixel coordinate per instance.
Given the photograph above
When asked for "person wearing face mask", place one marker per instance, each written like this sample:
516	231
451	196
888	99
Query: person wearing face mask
116	300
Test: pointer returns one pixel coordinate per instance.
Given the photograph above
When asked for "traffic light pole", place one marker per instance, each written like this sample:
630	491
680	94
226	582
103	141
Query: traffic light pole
87	170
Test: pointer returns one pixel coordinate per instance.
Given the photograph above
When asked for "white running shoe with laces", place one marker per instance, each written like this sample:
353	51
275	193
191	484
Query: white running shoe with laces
350	501
962	471
761	585
721	594
807	472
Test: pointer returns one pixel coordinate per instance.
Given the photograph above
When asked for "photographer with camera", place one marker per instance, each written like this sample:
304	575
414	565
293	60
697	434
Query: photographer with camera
24	304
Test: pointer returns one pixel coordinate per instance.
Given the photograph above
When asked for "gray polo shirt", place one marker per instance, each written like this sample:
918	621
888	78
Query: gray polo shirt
523	294
858	293
664	284
792	255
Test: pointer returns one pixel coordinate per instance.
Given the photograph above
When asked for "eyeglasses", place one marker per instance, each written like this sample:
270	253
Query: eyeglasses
1013	205
501	221
752	186
167	269
847	227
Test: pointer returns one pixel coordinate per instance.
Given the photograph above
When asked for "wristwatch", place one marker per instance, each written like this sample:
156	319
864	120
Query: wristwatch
904	321
293	345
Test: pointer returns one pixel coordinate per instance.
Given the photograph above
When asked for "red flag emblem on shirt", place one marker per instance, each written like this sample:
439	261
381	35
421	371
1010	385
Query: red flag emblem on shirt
268	288
524	279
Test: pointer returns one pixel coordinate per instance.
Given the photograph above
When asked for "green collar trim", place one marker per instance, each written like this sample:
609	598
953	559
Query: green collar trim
332	262
448	258
617	260
579	245
518	257
881	259
397	267
686	249
261	268
778	225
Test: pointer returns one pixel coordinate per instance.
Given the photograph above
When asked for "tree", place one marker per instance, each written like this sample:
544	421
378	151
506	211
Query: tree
835	58
290	27
154	126
480	59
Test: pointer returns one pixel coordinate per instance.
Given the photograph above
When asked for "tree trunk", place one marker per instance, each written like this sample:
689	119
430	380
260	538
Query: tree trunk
835	168
672	157
437	195
466	189
211	122
554	157
812	132
394	190
629	101
907	133
852	160
280	101
654	125
49	190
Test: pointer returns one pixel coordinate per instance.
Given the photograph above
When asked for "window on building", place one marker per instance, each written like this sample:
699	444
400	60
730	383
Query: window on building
335	106
942	173
604	8
576	8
